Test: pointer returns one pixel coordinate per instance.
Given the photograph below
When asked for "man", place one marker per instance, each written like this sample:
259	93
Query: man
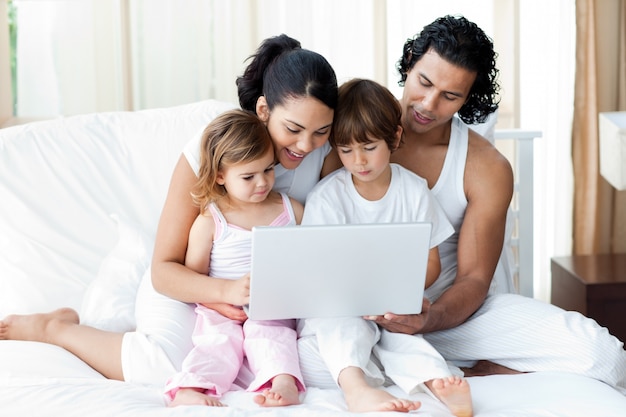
449	68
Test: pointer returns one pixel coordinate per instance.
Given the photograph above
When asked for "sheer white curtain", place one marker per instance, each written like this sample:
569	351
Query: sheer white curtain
546	97
77	56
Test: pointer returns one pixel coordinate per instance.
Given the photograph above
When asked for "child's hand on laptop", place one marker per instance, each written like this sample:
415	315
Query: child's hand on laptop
237	291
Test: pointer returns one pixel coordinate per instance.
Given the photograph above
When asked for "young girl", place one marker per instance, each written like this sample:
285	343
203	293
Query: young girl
234	192
366	130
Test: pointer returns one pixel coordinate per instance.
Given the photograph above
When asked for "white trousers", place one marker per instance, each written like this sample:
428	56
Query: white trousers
156	349
514	331
408	361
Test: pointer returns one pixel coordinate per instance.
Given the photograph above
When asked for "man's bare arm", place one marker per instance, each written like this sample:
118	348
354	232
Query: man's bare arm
489	188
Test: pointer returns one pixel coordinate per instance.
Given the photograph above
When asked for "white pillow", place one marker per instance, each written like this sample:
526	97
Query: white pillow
109	302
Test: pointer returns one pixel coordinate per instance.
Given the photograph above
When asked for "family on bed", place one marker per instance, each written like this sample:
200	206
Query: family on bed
371	157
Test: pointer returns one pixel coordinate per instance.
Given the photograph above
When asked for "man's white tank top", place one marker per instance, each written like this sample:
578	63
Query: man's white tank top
450	193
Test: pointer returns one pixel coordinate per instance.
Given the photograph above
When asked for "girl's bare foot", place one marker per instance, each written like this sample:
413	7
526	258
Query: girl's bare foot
284	392
454	392
366	398
193	396
35	327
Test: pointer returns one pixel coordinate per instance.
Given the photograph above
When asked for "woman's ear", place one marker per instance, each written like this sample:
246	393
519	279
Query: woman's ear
262	109
398	139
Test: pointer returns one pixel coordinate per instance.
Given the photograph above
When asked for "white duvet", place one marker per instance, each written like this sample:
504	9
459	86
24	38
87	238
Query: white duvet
79	203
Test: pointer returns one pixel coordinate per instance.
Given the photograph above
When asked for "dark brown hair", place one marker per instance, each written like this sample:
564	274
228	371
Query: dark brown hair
366	111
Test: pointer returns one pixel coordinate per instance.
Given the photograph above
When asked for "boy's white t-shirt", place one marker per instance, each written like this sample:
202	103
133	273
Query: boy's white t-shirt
335	200
294	182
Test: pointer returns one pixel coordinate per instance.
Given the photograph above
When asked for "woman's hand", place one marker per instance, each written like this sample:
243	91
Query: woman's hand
228	310
408	323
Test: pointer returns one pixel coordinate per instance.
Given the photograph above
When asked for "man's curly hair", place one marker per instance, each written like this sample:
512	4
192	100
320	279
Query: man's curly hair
464	44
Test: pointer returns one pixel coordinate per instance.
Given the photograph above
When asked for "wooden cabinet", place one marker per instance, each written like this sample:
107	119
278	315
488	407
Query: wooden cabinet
594	285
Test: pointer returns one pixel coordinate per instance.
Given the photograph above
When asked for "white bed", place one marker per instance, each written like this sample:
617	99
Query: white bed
79	203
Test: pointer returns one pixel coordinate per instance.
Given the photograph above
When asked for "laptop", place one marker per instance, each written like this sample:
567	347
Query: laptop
338	270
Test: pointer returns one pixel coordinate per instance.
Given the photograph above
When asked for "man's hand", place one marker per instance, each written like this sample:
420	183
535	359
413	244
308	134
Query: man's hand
229	311
408	324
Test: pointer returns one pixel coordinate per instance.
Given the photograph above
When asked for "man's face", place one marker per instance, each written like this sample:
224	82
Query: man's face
434	91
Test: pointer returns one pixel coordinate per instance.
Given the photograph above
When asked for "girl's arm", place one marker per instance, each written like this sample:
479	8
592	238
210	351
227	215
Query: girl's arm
200	243
170	276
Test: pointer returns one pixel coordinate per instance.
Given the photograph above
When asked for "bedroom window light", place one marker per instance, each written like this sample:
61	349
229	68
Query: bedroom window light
12	20
7	60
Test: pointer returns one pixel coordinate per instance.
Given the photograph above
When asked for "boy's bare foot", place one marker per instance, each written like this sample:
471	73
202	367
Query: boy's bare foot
35	327
284	392
366	398
193	396
484	368
454	392
361	397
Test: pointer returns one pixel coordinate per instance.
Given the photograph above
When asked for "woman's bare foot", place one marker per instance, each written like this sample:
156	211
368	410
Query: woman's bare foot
284	392
193	396
484	368
35	327
454	392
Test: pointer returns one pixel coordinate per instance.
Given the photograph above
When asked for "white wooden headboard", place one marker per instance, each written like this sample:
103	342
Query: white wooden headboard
518	146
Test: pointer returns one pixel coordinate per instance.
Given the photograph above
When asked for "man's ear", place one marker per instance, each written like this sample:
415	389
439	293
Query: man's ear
262	109
398	139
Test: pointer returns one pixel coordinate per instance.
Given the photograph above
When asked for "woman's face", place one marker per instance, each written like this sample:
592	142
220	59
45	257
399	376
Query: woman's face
297	127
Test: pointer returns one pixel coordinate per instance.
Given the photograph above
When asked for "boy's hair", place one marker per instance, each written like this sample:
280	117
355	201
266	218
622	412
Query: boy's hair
366	111
464	44
281	69
233	137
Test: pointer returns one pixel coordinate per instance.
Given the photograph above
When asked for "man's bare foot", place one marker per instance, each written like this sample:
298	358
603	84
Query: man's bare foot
284	392
454	392
35	327
193	396
484	368
366	398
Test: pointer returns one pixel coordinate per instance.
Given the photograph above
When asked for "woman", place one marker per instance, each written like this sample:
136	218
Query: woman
292	90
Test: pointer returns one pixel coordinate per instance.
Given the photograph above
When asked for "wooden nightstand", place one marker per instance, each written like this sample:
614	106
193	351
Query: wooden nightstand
594	285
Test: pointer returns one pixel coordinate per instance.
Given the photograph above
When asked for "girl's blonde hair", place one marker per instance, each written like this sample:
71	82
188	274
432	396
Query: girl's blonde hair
234	137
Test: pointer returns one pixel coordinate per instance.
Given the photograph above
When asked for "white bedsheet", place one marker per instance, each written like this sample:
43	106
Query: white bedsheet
43	380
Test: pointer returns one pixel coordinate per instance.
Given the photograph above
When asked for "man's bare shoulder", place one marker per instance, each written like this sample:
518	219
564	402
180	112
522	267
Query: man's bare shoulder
483	154
487	169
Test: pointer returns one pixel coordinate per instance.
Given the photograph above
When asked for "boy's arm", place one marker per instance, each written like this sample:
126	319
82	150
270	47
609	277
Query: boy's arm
434	267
